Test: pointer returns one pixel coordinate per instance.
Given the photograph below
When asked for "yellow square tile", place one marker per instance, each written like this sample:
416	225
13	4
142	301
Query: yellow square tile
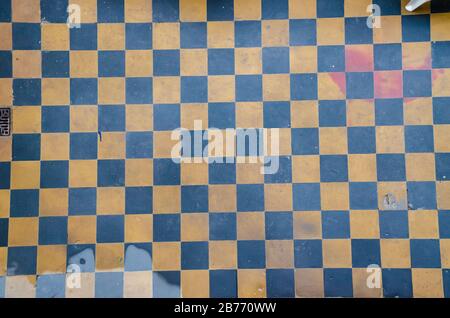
5	149
247	9
307	225
4	203
26	119
51	259
276	87
392	196
87	284
138	11
445	252
356	8
6	36
194	227
423	224
303	59
331	86
55	146
194	173
222	254
166	256
27	64
333	140
166	90
250	226
304	114
20	286
221	34
111	90
138	172
195	283
194	62
416	56
139	63
221	88
25	174
82	173
82	230
26	11
443	195
6	94
55	37
330	31
53	202
442	138
109	257
252	283
364	224
278	142
112	146
390	31
55	91
192	10
248	61
395	253
305	169
420	167
83	119
137	284
193	114
88	10
3	260
278	197
334	196
309	282
439	26
23	231
360	112
302	9
83	64
138	228
163	144
427	283
139	117
279	254
249	173
166	36
360	289
441	78
249	115
362	167
166	199
110	201
337	253
222	198
390	139
275	33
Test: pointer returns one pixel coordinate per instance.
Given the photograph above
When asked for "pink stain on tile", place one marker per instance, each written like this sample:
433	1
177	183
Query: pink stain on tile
358	59
417	62
339	79
436	73
388	84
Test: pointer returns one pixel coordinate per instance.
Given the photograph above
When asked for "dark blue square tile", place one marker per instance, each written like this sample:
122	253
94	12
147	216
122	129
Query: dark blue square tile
357	32
419	138
247	33
26	36
222	172
389	7
338	282
302	32
53	230
441	110
277	114
166	172
194	255
194	198
305	141
22	260
416	28
335	224
162	279
275	9
397	283
166	117
308	254
446	282
442	166
387	56
51	286
220	10
5	11
391	167
83	146
280	283
251	254
4	224
394	224
194	143
82	201
110	11
54	174
279	225
332	113
110	229
84	38
82	255
440	54
444	224
6	62
166	10
138	200
280	170
193	35
221	61
138	36
109	285
139	145
194	89
83	91
361	140
111	173
417	83
422	195
138	257
248	88
363	196
331	58
359	85
250	197
425	253
166	62
249	142
333	168
5	175
330	9
55	64
304	86
166	227
388	112
275	60
221	115
27	92
54	11
26	147
111	63
365	252
55	119
440	6
306	196
139	90
223	283
24	203
111	118
222	226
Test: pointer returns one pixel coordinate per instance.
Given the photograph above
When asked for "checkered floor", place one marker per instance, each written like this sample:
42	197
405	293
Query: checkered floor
87	183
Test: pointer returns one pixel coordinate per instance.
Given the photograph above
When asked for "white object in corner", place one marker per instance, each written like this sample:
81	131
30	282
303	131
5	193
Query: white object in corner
414	4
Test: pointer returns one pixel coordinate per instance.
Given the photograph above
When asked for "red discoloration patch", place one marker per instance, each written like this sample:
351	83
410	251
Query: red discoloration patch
436	73
388	84
339	79
358	58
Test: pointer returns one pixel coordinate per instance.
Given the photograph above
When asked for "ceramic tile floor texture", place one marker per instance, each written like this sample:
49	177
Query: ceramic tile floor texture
364	119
